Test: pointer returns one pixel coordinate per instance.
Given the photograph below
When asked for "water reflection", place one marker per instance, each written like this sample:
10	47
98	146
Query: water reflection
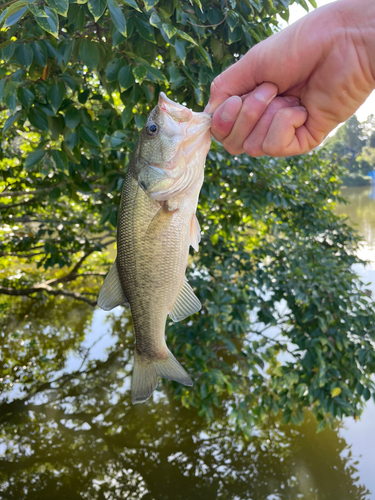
361	211
68	429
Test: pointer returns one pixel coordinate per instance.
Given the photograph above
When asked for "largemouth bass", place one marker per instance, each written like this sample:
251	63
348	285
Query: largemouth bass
156	226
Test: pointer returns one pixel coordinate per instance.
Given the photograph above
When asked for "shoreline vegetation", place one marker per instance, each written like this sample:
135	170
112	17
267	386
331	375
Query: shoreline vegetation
353	146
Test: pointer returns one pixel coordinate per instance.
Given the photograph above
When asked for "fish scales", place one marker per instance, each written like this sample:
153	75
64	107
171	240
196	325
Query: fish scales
156	226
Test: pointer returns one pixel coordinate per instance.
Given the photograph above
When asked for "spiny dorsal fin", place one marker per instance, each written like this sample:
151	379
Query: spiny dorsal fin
195	233
111	294
187	303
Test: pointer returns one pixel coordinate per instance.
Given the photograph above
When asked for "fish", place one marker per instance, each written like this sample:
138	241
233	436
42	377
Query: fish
157	224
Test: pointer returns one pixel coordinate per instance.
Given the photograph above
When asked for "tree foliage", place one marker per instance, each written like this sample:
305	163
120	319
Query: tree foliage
354	146
286	324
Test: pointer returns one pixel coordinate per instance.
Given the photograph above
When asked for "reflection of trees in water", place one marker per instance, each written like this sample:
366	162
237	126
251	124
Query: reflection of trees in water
75	435
361	211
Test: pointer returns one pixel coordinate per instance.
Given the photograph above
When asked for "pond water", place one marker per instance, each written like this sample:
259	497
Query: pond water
361	434
78	436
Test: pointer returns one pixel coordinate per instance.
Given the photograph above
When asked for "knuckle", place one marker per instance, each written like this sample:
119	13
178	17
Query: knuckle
215	85
249	112
253	150
232	148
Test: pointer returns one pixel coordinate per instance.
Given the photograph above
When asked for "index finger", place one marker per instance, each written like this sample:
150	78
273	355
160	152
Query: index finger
235	80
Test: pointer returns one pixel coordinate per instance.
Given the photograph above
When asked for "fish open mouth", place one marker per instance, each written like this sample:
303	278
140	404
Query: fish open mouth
199	122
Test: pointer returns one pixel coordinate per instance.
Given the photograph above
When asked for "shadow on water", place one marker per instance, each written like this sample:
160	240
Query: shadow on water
68	429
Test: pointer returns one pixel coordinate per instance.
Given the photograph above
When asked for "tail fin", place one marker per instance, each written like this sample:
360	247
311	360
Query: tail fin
145	375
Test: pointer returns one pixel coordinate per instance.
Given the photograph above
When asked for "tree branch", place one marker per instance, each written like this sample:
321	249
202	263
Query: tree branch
49	290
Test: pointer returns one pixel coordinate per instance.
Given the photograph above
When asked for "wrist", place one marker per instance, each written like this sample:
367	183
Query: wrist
358	20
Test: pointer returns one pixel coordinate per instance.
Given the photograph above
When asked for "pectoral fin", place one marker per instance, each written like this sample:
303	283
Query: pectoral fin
195	233
187	303
111	294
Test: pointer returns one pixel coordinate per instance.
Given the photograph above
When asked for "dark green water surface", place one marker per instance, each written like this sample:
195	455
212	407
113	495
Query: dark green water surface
68	429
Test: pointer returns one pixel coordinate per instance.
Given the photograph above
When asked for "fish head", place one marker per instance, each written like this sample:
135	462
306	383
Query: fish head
172	136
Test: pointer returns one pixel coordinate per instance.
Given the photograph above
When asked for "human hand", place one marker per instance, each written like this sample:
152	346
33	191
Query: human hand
289	91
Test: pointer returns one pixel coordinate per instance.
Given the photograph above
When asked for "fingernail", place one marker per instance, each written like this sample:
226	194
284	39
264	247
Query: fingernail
231	108
300	108
207	108
291	98
265	92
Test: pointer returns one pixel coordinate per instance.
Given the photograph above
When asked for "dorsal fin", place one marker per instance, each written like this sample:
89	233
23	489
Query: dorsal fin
187	303
111	294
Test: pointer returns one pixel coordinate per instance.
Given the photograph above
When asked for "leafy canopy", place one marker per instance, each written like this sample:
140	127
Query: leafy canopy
286	324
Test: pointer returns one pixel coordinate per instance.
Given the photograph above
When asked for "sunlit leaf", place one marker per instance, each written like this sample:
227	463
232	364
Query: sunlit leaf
59	6
117	17
97	8
50	24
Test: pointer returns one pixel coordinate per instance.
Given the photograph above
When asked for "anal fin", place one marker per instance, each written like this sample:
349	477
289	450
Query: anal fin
195	233
111	294
187	303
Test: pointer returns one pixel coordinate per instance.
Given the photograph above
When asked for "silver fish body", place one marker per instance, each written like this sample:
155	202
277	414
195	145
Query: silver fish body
156	226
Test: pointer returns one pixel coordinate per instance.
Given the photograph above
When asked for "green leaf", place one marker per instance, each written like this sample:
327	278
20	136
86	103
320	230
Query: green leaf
125	78
140	121
71	139
2	86
335	392
206	56
36	11
139	73
112	69
73	156
50	24
8	51
56	94
26	97
127	114
12	19
72	117
169	30
9	122
61	160
149	4
155	20
34	158
89	135
38	119
40	53
64	54
187	37
145	30
24	54
117	17
97	8
157	74
59	6
132	3
55	125
5	44
180	50
89	53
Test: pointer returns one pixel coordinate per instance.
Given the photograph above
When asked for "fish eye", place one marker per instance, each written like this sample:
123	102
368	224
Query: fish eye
152	129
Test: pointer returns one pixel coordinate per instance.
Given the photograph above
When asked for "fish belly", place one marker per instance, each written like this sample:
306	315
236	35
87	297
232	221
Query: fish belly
153	247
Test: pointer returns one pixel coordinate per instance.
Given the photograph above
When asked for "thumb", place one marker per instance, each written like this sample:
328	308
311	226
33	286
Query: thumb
236	80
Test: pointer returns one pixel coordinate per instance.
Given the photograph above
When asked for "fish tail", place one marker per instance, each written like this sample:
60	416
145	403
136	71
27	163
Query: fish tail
145	375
